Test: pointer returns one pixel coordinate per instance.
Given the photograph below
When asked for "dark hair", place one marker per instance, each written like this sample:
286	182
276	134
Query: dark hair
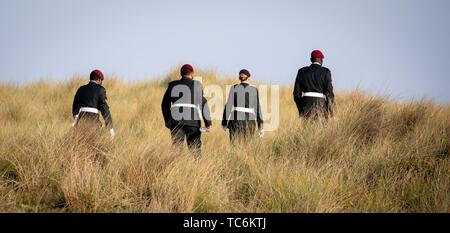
316	60
94	77
244	72
243	79
184	72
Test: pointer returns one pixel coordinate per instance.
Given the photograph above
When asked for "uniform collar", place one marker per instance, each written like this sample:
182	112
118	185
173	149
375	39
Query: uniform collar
184	77
317	63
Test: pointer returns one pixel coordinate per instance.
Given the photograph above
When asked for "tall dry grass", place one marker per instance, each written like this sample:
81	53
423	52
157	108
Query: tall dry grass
374	156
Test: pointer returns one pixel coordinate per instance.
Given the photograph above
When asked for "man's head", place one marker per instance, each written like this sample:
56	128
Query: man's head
187	71
97	76
244	75
317	56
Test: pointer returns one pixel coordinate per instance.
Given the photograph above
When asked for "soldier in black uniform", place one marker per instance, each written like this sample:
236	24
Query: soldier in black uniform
313	91
243	110
183	107
89	101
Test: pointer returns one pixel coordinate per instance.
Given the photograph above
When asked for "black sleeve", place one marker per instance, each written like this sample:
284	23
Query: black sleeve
104	108
227	108
330	94
165	107
76	105
206	113
297	88
259	117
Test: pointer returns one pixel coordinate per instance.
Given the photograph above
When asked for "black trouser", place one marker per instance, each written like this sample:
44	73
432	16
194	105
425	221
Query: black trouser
192	135
312	107
241	130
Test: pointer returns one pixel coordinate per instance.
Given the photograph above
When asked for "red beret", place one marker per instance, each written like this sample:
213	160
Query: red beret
317	54
186	68
98	74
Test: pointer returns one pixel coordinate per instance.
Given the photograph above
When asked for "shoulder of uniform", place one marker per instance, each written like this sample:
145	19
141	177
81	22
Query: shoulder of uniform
326	69
303	68
99	89
173	83
102	88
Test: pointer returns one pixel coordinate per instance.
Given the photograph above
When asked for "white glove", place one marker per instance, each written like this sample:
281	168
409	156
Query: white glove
75	120
205	129
112	133
261	133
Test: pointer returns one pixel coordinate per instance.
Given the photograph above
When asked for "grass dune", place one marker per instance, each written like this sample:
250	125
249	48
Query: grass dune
376	155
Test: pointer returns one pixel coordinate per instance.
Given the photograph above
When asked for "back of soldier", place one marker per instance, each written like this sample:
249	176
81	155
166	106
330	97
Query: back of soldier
313	91
242	113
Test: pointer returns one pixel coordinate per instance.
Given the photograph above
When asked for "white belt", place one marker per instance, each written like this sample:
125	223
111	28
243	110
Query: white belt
241	109
189	106
84	109
91	110
186	105
314	94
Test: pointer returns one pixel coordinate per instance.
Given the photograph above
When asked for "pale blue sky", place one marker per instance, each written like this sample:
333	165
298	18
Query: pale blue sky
398	48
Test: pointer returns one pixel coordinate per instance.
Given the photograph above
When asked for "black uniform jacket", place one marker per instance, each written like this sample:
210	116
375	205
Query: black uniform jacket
314	78
92	95
185	91
246	96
